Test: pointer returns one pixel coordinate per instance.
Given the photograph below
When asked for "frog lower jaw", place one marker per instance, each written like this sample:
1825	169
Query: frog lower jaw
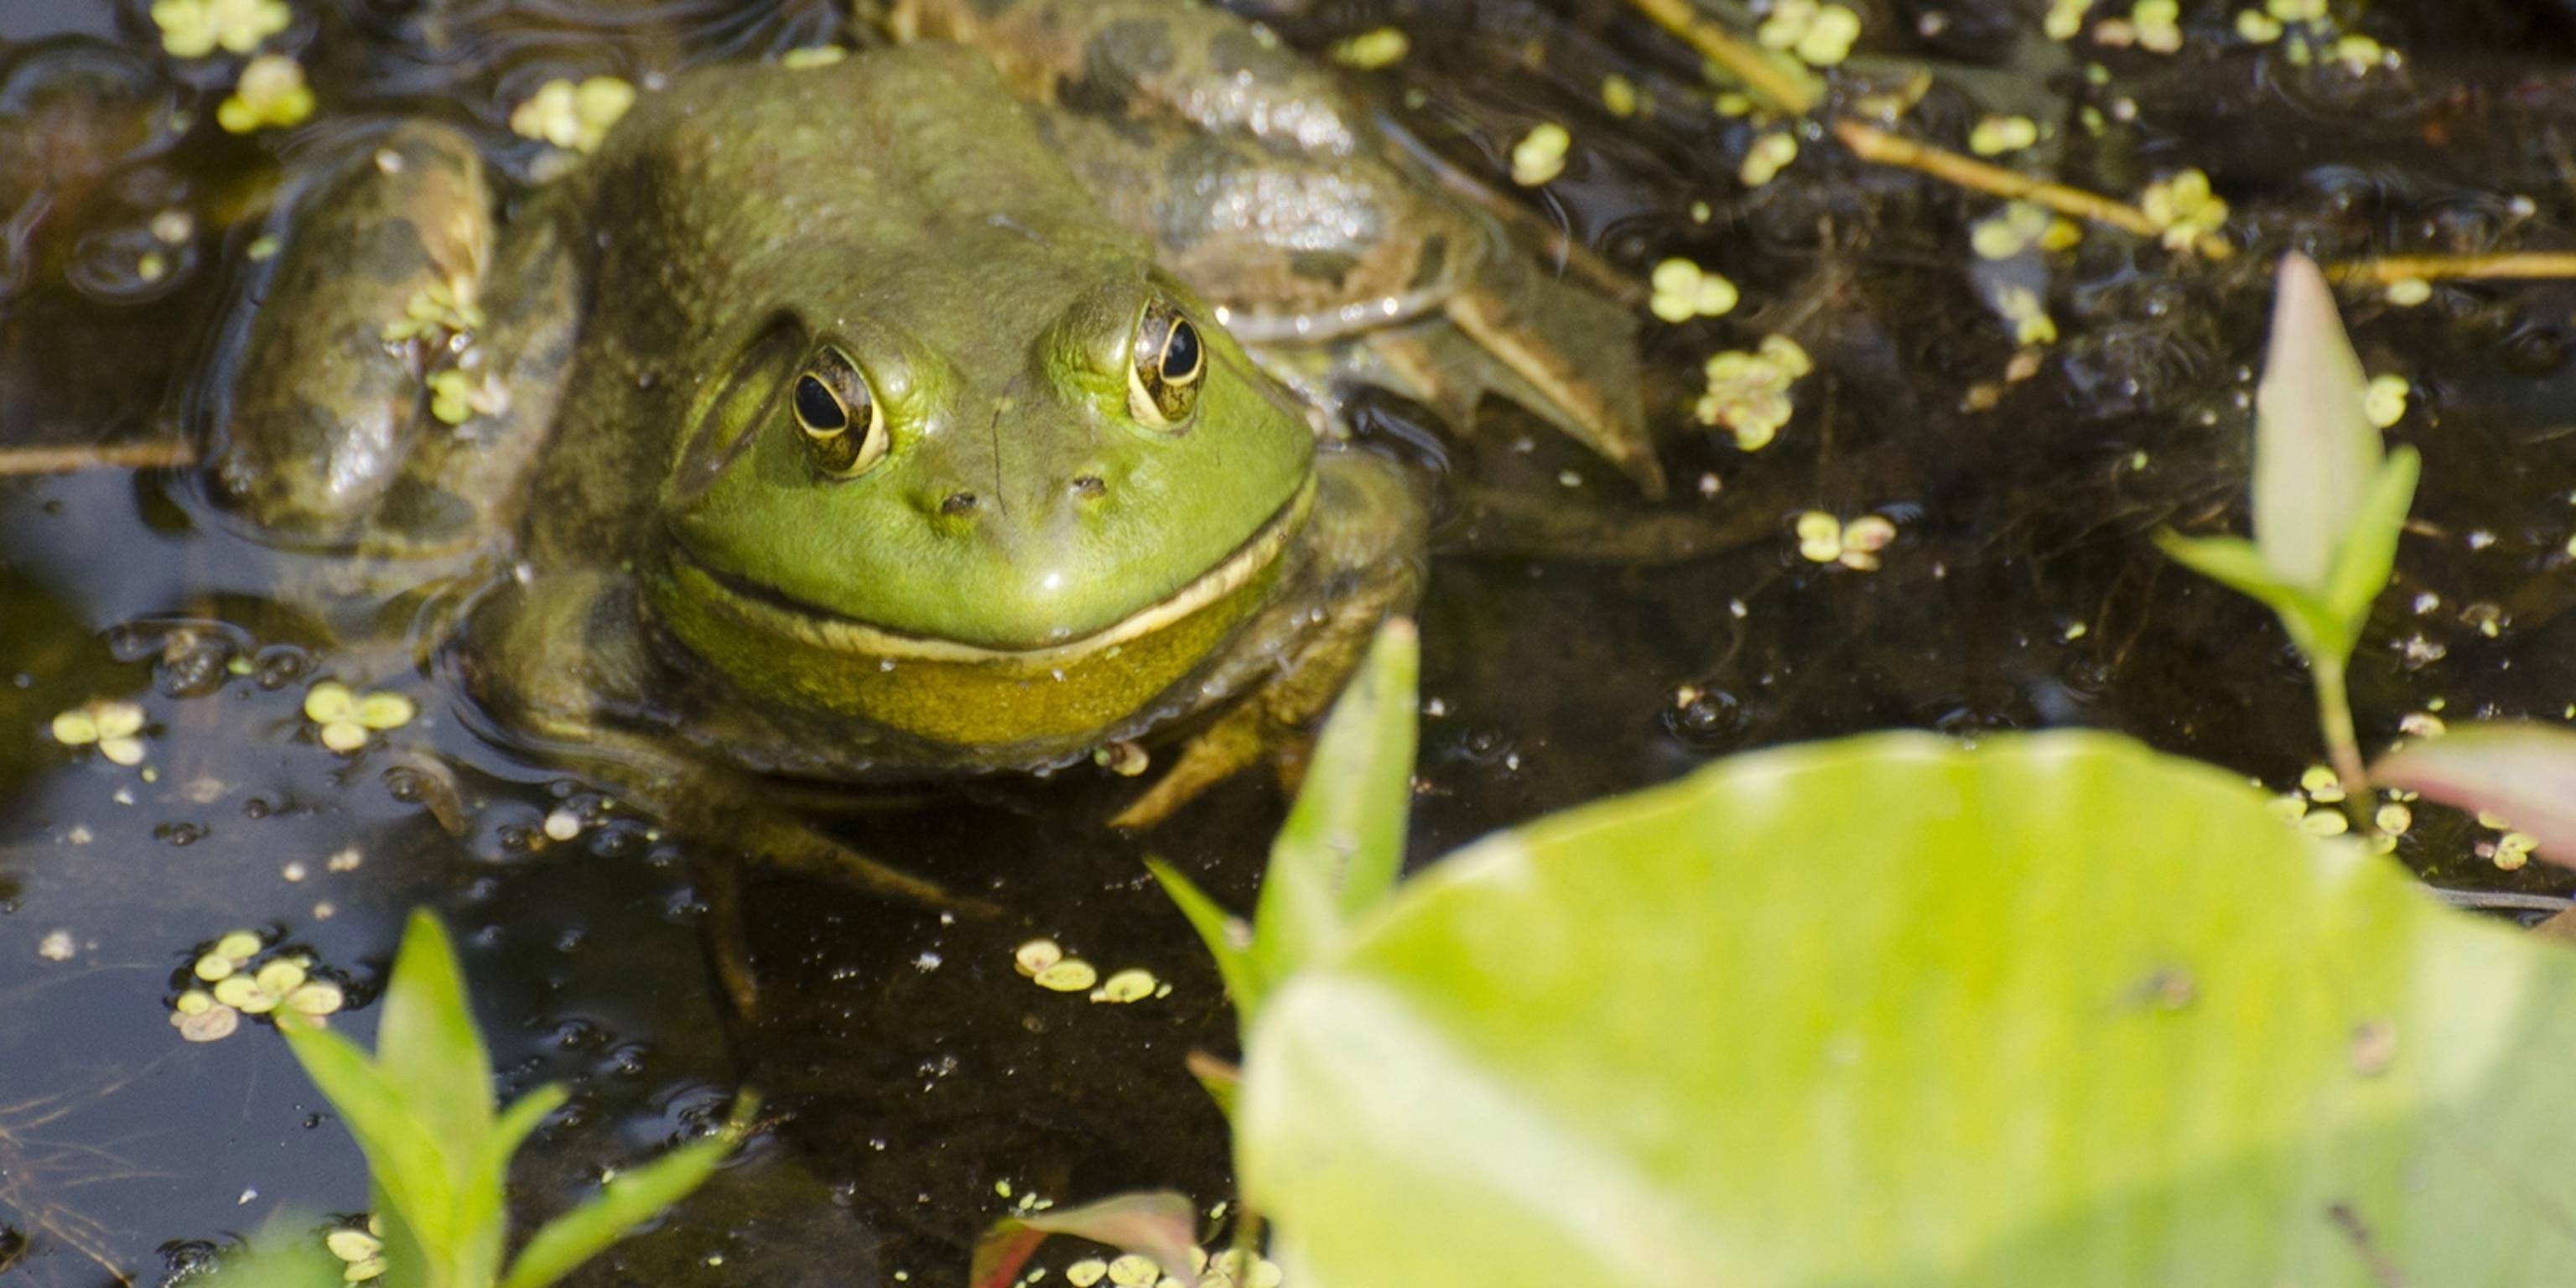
769	612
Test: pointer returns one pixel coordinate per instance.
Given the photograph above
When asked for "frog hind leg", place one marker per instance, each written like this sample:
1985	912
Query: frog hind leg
1367	564
327	432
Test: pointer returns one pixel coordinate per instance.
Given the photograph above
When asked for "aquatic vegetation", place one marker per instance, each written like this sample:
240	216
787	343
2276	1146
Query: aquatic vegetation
439	1151
573	116
271	92
2328	500
345	720
115	728
2050	996
239	981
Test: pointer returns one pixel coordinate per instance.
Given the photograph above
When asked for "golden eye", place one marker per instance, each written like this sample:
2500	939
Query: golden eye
1163	385
842	426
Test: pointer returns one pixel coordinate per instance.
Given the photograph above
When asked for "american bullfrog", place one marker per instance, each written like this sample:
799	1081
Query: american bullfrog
964	405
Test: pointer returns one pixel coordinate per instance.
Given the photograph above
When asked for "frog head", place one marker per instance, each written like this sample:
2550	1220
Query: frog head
998	496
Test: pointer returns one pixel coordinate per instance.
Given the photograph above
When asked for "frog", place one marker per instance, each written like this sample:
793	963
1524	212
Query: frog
967	405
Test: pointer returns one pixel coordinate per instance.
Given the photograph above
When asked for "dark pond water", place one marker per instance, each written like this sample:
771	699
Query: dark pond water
910	1069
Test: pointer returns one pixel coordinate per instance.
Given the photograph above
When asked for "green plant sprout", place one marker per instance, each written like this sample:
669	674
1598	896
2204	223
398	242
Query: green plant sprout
2328	502
438	1149
1343	845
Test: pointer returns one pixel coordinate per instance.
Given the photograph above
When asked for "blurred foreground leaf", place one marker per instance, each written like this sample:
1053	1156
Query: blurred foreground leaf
1886	1012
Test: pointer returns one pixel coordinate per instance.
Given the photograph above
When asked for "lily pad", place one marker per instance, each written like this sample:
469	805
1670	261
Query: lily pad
1886	1011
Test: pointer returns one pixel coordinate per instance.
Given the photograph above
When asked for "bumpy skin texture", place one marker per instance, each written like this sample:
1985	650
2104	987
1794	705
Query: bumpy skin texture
1034	565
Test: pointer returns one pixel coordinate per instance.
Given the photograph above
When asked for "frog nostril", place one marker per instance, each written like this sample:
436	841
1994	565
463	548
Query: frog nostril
958	503
1090	485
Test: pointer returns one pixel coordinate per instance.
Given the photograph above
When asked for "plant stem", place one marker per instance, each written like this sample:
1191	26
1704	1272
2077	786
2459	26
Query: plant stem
70	460
1796	96
1782	89
2343	749
2426	268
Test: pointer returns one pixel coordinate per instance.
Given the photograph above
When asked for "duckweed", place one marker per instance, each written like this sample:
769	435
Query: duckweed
115	728
1371	50
2407	292
348	720
1071	975
1748	393
196	28
1540	155
271	92
1996	135
2385	401
2257	27
1768	156
812	56
2183	205
1130	985
1819	35
573	116
1684	290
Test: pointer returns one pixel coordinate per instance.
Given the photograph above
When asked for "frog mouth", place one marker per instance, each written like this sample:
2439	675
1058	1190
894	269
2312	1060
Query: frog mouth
767	609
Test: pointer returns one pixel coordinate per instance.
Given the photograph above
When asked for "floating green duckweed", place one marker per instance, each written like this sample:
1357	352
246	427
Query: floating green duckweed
2257	27
1071	975
1996	135
1132	1271
196	28
1748	393
2385	401
2394	818
2156	25
2324	822
271	92
1619	95
2183	205
437	313
362	1250
1131	985
1684	290
812	56
2065	19
207	1014
2020	226
1371	50
115	728
347	719
1820	35
2407	292
1035	956
2287	11
573	116
1086	1272
1768	156
2321	784
1540	155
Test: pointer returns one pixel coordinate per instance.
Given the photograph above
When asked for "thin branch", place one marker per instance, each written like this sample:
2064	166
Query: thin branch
2389	269
19	461
1766	78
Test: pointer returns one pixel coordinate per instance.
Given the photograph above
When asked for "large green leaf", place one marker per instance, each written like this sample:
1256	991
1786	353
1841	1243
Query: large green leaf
2058	1011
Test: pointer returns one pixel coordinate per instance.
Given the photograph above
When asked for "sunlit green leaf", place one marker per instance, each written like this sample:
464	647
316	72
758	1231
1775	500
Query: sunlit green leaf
2525	773
483	1203
403	1157
1227	937
2315	450
1343	844
428	1045
2235	563
1889	1012
1159	1224
2368	556
629	1199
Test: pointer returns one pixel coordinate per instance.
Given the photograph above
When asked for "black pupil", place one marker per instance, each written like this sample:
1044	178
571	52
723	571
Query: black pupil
816	406
1181	352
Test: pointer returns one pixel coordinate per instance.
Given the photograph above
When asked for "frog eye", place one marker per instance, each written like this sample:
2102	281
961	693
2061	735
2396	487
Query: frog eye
1163	385
839	418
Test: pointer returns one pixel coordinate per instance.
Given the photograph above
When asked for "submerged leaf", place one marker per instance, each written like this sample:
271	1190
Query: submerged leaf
2315	450
2525	773
1885	1011
1158	1224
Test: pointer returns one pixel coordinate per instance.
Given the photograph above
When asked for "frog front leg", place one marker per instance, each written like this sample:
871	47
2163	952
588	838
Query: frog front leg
1367	550
402	364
